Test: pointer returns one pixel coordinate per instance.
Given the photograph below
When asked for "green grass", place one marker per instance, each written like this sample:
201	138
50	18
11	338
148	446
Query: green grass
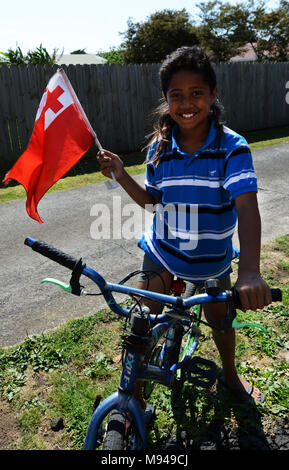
263	138
86	171
61	372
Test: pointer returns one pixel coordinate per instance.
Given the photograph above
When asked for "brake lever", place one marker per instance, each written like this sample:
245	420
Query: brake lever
74	286
237	325
65	287
231	313
230	320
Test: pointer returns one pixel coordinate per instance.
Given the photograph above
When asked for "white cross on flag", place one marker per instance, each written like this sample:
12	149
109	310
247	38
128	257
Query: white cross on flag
61	135
62	98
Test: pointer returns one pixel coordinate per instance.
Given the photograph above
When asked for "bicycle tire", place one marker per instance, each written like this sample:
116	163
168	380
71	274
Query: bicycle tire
114	438
118	435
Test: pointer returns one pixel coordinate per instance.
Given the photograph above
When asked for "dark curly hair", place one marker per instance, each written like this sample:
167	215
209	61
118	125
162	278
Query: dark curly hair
196	60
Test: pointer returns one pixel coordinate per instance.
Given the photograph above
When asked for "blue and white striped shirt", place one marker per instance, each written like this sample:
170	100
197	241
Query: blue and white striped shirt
192	230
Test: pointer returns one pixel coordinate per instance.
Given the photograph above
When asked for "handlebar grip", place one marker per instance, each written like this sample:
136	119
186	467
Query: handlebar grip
52	253
276	295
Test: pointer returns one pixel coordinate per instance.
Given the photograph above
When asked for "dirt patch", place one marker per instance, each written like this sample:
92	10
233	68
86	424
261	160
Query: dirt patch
10	432
50	440
271	261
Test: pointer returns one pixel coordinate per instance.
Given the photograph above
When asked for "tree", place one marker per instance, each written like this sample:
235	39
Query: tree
161	33
37	56
225	28
273	34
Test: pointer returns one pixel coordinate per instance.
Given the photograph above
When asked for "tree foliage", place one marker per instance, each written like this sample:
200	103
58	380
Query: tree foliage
38	56
222	28
225	28
78	51
113	56
161	33
272	30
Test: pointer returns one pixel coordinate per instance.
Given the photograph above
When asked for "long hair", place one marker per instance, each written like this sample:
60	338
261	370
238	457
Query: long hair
196	60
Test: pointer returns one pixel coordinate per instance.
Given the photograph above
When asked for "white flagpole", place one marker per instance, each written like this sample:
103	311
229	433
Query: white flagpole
109	184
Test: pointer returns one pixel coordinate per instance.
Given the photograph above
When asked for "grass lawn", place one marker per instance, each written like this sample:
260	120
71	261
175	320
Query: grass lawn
59	373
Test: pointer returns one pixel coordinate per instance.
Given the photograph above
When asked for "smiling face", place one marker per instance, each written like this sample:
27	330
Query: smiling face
189	98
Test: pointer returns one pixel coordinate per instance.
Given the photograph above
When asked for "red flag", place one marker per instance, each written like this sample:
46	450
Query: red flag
60	137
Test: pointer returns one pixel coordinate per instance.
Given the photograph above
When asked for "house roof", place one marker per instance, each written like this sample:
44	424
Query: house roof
74	59
247	53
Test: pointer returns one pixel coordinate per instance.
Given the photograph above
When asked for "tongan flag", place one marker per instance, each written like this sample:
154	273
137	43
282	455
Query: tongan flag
60	137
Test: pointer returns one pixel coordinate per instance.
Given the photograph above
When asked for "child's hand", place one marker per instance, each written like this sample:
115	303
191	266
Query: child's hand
110	162
253	291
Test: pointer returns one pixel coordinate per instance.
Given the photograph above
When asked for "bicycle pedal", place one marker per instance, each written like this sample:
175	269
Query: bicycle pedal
201	372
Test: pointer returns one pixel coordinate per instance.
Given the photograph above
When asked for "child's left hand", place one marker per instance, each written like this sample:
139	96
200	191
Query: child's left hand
254	292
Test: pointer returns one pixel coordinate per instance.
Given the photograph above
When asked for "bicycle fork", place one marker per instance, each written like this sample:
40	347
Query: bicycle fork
123	400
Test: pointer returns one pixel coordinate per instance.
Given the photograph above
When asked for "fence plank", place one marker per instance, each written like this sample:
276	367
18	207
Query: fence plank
4	135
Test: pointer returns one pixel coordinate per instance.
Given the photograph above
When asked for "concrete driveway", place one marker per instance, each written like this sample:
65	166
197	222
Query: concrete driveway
70	219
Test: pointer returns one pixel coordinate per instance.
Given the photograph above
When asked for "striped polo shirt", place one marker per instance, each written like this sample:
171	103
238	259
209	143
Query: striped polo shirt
194	221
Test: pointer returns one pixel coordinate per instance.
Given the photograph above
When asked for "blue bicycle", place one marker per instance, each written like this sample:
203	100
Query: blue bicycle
156	348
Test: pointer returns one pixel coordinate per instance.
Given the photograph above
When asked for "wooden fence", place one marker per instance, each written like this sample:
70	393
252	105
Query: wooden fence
119	101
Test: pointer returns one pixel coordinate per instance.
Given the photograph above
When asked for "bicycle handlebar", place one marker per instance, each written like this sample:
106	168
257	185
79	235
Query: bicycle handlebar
52	253
106	288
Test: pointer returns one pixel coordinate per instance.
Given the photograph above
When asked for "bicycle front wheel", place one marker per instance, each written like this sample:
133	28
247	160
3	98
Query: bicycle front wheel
120	433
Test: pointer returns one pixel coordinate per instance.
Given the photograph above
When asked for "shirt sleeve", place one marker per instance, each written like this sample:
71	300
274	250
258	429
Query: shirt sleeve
240	175
150	177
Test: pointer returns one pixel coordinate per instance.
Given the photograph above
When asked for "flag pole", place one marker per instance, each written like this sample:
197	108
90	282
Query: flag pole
109	184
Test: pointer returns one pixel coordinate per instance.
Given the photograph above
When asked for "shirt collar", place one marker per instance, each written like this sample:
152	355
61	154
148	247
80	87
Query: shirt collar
210	139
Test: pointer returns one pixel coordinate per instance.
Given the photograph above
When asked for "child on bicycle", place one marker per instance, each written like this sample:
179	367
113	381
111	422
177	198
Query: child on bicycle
201	172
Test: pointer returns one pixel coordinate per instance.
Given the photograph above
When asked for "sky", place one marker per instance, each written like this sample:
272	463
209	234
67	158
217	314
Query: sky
67	25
